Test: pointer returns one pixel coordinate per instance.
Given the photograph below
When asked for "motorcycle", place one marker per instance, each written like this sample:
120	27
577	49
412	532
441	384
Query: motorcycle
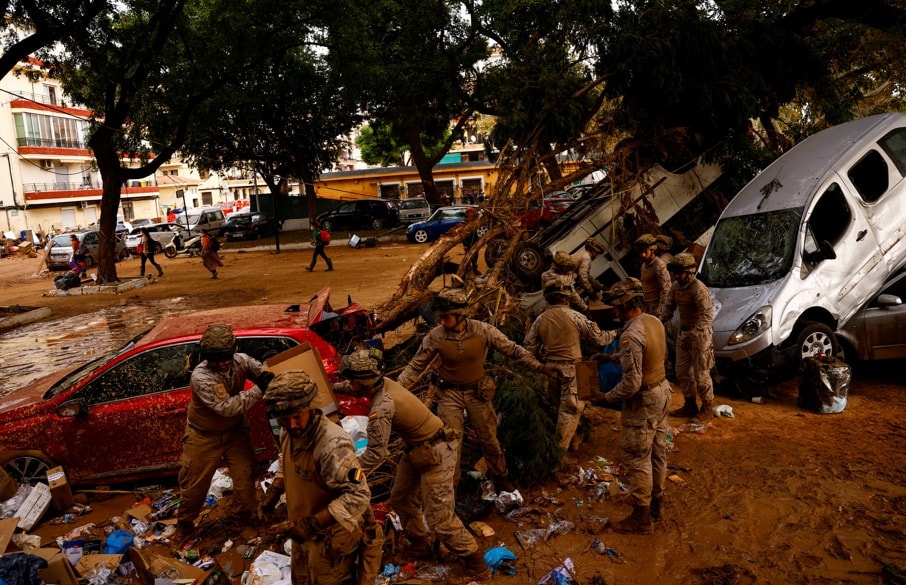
191	247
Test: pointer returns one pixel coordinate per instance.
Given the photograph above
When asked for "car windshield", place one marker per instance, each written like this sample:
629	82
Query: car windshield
61	241
751	249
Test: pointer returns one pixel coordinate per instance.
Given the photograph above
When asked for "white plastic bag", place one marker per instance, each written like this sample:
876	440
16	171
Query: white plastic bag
357	427
220	483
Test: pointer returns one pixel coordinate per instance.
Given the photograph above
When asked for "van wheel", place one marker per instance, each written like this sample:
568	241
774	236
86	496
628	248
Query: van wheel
815	338
529	260
376	223
27	469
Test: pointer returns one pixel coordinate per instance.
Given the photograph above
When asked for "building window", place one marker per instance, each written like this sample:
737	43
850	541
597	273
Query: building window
206	198
390	191
128	212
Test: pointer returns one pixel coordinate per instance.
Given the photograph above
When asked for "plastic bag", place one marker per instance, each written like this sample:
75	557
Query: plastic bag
118	542
8	508
501	559
220	483
357	428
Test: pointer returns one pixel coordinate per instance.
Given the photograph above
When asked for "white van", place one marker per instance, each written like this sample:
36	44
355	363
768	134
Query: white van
805	244
201	219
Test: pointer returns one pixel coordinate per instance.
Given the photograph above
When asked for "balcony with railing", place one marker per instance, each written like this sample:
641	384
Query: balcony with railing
83	185
52	143
51	99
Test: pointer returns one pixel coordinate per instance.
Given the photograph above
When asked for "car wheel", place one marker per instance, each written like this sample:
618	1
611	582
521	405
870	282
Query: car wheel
815	338
124	253
529	260
27	469
421	236
376	223
327	225
89	261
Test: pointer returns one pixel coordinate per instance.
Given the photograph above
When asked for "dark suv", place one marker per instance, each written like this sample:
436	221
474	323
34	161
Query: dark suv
365	214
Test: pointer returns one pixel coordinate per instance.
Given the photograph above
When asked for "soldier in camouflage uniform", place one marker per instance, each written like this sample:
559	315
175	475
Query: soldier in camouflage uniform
328	502
217	430
591	288
460	383
556	338
694	344
655	277
563	271
646	394
422	493
664	245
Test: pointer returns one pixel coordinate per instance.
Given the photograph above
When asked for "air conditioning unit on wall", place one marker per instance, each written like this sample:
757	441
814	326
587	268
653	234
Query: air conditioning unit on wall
83	204
46	164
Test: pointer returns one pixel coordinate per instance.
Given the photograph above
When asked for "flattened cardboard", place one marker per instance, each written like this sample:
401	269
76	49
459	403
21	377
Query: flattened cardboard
306	357
7	529
88	563
587	381
140	512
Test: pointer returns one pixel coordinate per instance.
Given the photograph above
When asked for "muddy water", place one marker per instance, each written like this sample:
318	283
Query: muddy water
31	351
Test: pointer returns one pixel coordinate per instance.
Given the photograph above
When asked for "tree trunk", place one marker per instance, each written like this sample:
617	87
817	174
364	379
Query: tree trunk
425	168
112	177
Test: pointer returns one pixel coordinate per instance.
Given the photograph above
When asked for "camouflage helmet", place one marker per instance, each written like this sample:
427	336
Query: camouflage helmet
594	245
557	290
563	261
664	242
624	291
645	242
363	365
218	343
451	301
682	262
290	392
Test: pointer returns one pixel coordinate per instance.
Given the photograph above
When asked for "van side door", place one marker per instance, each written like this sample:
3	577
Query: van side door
858	268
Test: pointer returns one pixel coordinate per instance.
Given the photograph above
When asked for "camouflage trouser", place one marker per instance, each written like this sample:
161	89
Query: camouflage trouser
202	455
643	440
570	410
450	406
693	366
330	560
426	495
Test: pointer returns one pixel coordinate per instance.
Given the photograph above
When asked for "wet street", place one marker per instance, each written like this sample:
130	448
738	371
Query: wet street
31	351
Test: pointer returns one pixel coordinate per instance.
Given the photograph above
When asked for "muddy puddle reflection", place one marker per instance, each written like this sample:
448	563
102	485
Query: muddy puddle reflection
32	351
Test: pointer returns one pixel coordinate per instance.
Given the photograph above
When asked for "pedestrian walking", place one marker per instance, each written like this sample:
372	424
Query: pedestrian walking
694	342
555	338
461	385
328	502
318	244
217	430
645	393
209	253
423	491
147	253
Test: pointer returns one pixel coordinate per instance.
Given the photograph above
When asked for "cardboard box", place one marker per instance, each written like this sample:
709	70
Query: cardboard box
58	570
60	492
156	569
89	563
34	506
306	357
7	529
587	381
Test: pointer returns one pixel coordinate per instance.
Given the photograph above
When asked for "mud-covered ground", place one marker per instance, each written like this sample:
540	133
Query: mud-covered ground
776	494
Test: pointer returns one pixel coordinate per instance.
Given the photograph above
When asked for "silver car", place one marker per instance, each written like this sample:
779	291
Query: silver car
878	330
60	250
413	209
161	233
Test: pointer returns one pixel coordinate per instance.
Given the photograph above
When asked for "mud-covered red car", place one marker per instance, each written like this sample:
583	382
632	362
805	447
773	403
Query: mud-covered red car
121	416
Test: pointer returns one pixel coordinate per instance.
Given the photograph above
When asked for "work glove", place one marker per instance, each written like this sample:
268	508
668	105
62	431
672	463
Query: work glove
307	528
603	358
264	380
268	502
552	373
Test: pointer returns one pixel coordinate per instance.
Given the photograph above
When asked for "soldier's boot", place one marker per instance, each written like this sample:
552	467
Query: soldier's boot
657	502
704	413
476	567
419	547
309	268
329	265
160	272
184	529
142	273
503	483
638	522
687	410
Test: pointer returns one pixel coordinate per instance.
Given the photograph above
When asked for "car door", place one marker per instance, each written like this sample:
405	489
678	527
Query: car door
884	324
344	216
90	244
134	414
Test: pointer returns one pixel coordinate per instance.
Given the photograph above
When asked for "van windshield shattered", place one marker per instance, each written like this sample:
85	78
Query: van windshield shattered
751	249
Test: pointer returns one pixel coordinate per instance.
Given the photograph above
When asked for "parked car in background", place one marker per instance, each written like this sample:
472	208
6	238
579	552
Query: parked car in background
441	221
161	233
363	214
121	416
249	225
542	214
201	219
60	250
878	330
413	209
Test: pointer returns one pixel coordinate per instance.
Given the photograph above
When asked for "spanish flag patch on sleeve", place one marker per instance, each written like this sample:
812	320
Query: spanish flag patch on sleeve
356	475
